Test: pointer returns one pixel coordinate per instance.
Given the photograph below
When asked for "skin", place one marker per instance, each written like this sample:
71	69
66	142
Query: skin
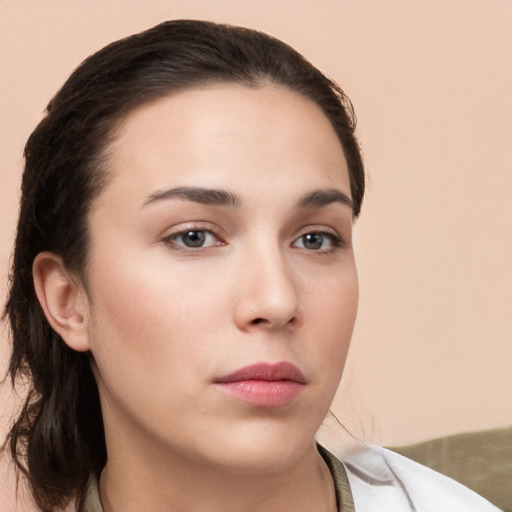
164	320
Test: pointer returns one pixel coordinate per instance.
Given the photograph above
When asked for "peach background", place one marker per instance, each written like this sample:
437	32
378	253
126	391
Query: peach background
431	82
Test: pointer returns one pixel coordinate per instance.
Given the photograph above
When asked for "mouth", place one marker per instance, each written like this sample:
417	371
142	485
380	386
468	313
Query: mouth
264	384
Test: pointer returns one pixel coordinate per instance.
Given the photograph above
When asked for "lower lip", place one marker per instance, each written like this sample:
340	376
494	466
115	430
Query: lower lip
263	393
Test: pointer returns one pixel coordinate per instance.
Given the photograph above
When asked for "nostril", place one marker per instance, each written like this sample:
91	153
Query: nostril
257	321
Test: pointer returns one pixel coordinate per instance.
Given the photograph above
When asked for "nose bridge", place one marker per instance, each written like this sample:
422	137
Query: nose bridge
268	293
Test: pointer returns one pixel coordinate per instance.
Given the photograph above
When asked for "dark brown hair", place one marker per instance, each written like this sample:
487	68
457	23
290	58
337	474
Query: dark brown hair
57	440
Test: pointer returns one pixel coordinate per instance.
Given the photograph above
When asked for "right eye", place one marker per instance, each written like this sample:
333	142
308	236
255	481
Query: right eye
193	239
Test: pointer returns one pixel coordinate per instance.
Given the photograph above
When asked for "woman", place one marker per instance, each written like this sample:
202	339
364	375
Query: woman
184	286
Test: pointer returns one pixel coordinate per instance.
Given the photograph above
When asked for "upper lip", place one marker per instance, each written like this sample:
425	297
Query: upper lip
265	372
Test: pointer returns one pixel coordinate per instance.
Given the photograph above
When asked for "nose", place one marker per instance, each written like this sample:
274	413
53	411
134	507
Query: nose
267	294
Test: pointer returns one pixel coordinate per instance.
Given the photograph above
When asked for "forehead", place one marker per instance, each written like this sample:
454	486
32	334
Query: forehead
221	134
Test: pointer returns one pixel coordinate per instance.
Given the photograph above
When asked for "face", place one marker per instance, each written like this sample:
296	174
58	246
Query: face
222	284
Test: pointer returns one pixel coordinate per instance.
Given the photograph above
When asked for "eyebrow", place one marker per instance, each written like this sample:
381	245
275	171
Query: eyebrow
323	197
216	197
196	194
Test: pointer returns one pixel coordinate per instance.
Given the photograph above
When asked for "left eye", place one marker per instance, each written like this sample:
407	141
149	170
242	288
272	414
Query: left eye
317	241
194	238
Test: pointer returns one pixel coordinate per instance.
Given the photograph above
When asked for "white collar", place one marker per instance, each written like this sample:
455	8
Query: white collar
384	481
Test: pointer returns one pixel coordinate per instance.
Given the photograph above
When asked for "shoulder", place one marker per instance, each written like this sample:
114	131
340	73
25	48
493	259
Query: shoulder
382	480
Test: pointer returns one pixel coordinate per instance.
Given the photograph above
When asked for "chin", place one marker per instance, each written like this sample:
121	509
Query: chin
264	452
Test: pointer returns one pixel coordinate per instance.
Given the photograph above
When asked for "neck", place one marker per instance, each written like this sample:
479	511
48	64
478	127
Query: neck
173	483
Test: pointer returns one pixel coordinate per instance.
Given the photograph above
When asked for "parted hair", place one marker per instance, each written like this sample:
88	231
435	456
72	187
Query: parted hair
57	438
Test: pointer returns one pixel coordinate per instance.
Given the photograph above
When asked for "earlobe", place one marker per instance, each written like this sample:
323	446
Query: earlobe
63	300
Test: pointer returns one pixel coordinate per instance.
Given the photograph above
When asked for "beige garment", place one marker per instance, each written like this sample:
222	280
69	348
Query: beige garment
91	501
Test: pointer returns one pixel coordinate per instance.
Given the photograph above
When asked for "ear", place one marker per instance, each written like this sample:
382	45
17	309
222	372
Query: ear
63	300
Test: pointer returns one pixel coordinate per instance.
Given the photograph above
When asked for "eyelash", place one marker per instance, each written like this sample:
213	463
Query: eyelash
336	241
173	237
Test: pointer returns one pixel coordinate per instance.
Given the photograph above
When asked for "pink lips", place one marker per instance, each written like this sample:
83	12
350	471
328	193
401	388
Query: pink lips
263	384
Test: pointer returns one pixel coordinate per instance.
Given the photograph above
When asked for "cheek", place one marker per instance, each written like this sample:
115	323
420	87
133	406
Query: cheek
146	325
333	311
334	299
